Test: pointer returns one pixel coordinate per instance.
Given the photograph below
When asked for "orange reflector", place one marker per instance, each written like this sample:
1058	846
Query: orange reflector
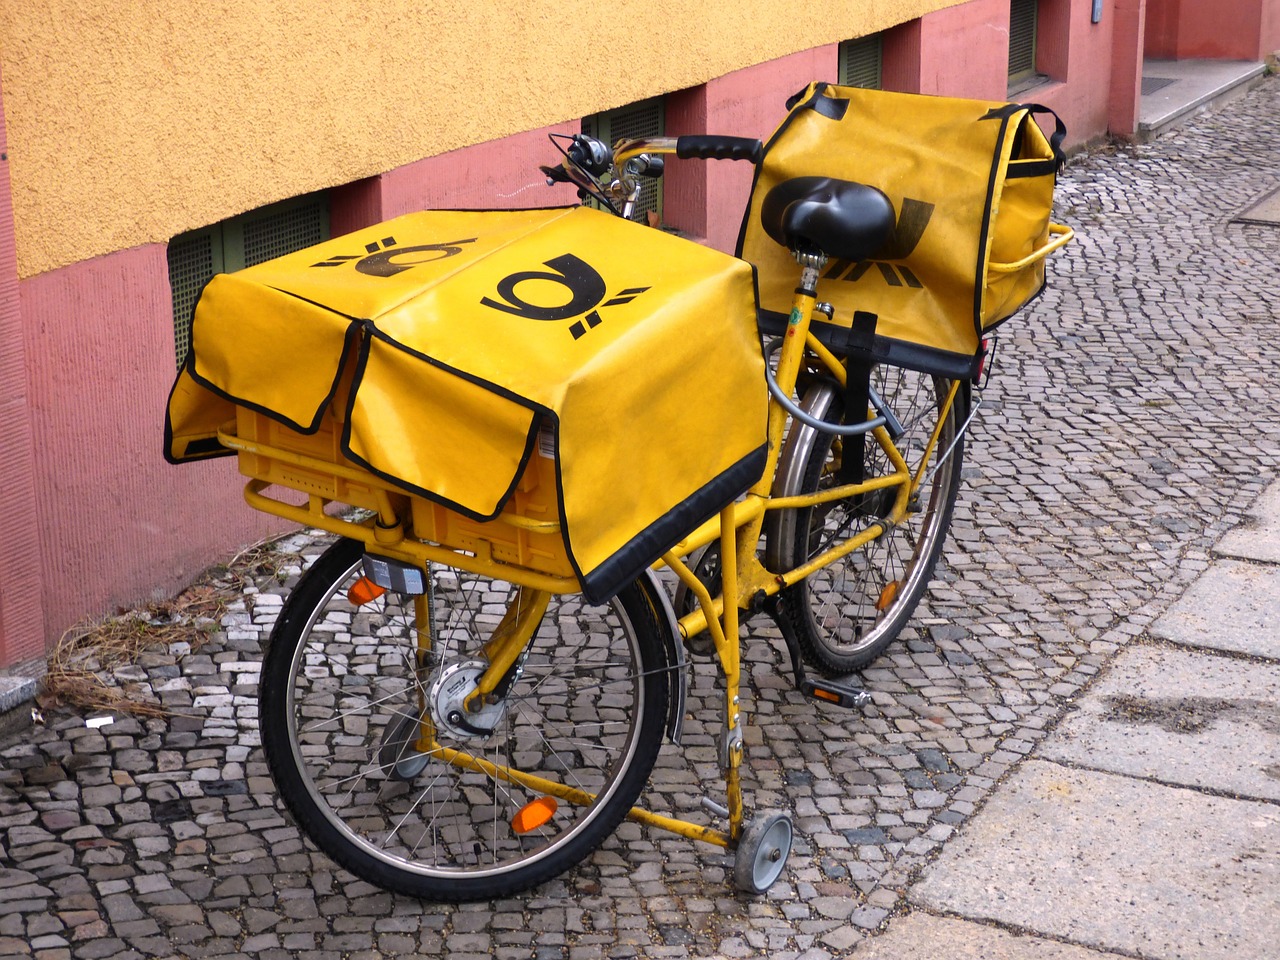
533	815
887	595
826	695
364	590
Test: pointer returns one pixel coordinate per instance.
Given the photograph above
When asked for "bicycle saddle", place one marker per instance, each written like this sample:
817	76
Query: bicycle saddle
840	218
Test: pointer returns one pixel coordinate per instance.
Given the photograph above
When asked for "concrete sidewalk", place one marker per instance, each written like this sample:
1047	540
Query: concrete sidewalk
1148	823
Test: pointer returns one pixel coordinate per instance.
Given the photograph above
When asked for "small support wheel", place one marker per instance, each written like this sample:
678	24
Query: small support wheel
762	851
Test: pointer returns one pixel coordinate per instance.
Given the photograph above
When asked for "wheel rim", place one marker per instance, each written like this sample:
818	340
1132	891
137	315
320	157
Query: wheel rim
765	847
572	716
859	602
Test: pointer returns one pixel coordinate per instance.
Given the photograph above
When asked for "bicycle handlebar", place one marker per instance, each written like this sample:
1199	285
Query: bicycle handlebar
709	147
587	160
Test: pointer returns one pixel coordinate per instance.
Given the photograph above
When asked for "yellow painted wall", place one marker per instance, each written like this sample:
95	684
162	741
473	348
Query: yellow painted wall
132	121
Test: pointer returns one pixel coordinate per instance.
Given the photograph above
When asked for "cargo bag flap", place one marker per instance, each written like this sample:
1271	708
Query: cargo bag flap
971	183
633	352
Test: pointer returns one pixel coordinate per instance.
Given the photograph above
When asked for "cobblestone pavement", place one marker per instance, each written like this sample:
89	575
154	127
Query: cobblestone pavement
1134	416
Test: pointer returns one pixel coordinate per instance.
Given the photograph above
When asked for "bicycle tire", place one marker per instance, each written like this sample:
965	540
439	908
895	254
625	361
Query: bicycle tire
338	682
846	615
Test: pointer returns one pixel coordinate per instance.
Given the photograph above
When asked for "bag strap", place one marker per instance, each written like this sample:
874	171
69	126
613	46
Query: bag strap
857	395
1055	139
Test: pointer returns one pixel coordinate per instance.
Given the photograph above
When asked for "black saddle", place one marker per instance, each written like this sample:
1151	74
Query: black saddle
839	218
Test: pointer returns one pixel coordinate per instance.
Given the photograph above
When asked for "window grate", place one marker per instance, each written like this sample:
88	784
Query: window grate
233	244
191	264
633	122
861	62
1022	39
275	234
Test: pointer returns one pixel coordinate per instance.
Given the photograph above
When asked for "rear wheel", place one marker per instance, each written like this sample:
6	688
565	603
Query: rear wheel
847	613
374	752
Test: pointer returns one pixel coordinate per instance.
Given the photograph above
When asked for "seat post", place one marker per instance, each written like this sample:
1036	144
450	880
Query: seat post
791	356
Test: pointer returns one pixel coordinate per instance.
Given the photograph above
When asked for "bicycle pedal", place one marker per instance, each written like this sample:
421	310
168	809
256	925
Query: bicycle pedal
838	692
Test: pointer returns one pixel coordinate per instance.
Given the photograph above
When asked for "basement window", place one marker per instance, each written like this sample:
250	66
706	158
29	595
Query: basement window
1023	20
861	62
234	244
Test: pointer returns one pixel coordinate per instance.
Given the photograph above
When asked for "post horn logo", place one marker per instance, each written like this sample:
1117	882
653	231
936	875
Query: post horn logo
386	259
585	286
912	220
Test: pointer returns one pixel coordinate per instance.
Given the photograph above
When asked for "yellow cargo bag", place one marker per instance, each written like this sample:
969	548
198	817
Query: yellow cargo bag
971	183
467	343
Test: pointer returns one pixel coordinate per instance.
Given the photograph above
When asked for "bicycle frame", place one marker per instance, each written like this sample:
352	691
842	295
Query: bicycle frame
737	529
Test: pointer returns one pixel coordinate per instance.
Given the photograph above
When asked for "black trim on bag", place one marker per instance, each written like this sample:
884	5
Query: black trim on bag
1022	169
362	361
1044	285
833	108
979	270
649	544
352	331
896	353
204	449
168	430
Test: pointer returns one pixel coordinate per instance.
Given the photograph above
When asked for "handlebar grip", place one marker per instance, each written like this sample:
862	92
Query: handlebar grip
707	147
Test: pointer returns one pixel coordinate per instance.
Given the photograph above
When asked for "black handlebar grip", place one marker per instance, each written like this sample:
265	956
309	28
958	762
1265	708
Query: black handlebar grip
707	147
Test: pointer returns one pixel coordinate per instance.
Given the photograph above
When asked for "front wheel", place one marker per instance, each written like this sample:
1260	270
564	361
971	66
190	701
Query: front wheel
846	614
371	746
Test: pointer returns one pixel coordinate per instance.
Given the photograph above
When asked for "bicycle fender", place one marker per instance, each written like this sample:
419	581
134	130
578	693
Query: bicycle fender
676	663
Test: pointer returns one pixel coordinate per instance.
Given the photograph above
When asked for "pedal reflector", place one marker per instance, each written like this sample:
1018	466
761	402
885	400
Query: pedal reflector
842	694
364	591
533	815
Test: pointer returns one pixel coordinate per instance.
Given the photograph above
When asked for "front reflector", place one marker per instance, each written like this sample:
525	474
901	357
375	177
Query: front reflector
363	591
533	815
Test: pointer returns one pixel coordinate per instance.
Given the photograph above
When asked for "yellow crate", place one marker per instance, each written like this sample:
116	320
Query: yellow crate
527	534
535	502
318	449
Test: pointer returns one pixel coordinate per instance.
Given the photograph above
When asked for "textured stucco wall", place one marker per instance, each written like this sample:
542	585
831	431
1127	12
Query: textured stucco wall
117	524
21	615
132	121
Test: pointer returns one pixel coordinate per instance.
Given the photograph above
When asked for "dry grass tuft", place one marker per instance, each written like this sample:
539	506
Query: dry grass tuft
82	665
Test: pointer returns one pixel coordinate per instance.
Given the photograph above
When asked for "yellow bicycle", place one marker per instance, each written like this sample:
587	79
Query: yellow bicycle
444	711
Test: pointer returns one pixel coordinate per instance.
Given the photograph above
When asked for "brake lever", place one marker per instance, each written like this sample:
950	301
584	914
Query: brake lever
556	174
646	165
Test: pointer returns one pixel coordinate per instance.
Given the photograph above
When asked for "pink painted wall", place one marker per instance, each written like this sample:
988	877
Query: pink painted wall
117	523
1222	30
706	198
500	173
1125	96
21	616
1081	91
963	52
